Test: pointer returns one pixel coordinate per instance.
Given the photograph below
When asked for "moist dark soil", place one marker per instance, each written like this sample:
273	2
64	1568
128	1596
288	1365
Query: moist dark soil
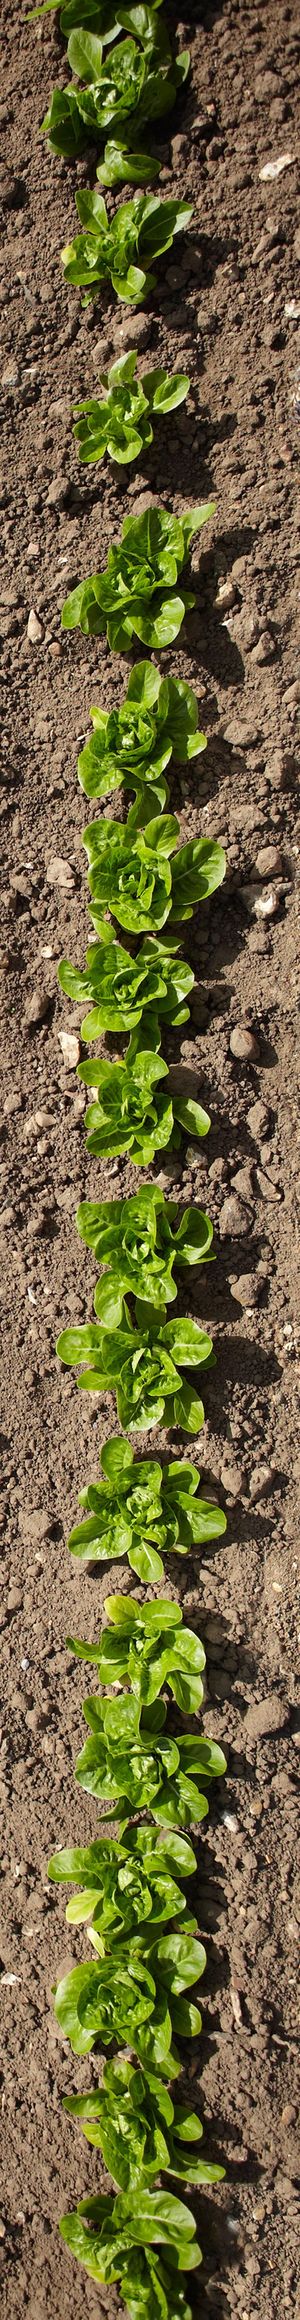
226	309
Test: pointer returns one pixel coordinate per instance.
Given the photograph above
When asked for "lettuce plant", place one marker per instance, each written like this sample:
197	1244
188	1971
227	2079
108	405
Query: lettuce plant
133	745
97	1994
132	87
123	992
136	1240
130	1757
125	1885
143	1511
144	1365
120	422
138	2128
149	1647
122	250
133	1110
130	871
135	595
104	17
116	2241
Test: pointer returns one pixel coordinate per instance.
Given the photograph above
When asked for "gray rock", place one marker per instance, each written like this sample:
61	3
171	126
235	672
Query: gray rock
240	733
232	1478
244	1044
243	1182
133	330
246	1290
260	1481
234	1218
37	1007
269	1191
257	1119
58	492
269	862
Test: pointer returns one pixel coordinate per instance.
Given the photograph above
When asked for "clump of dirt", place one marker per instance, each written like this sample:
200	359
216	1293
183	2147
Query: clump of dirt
227	312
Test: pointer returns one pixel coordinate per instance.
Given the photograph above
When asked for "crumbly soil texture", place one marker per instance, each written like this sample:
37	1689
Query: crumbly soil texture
226	310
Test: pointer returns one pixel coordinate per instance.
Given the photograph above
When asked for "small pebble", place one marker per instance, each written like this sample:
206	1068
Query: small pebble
240	734
243	1182
246	1290
10	374
70	1047
274	168
267	1188
37	1007
59	873
244	1044
260	1481
234	1218
232	1479
257	1119
171	1172
58	491
269	862
34	628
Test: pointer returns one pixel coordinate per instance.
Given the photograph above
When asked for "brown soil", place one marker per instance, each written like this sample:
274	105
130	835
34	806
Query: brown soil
227	315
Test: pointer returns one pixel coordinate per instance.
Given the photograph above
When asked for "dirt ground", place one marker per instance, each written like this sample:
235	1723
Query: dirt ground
227	312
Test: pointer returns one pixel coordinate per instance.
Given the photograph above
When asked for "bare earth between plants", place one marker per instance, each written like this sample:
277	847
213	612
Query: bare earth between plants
225	311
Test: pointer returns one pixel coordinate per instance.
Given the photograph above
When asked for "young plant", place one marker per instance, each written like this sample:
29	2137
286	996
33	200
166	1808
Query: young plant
133	1112
131	1760
136	1240
150	1647
133	745
131	875
131	88
124	992
116	2240
103	17
122	249
144	1366
135	595
125	1885
120	423
162	1967
140	2131
142	1511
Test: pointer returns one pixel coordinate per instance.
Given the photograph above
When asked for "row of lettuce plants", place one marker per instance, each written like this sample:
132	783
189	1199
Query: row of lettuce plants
150	1775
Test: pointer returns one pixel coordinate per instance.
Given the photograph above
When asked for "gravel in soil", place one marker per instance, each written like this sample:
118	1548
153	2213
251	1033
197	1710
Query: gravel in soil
227	312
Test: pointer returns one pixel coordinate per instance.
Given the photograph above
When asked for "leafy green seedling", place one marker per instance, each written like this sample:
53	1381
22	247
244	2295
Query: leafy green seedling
131	1758
116	2239
120	423
122	249
123	992
133	745
125	1886
135	595
144	1367
150	1647
131	873
135	1238
141	1511
94	1999
132	1111
138	2128
130	89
